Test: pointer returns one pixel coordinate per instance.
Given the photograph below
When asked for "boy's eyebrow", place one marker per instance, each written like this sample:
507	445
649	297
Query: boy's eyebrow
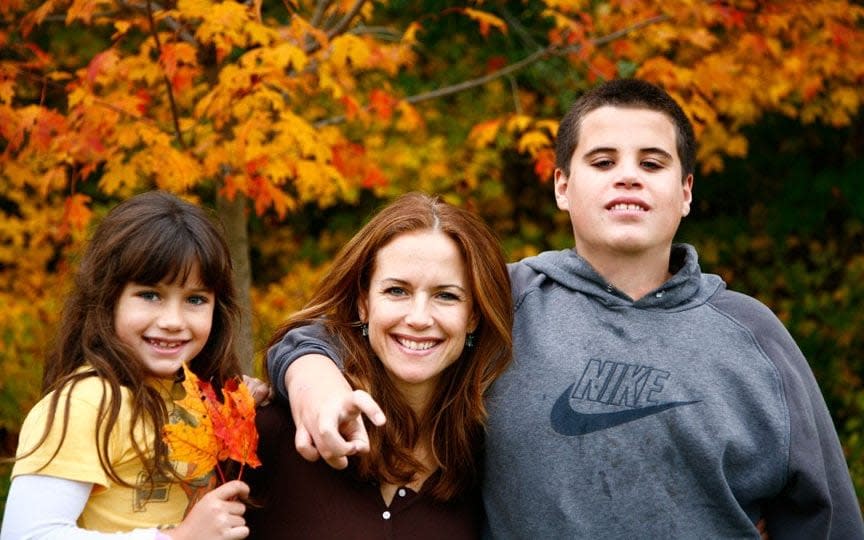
660	151
599	150
611	150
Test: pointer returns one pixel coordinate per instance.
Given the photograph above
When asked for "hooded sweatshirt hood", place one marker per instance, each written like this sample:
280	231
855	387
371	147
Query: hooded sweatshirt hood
686	288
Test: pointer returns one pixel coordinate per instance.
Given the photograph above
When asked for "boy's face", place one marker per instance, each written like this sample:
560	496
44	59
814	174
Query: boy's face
624	193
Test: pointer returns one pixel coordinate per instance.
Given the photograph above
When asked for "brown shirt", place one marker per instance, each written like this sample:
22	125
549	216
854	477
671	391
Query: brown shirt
299	499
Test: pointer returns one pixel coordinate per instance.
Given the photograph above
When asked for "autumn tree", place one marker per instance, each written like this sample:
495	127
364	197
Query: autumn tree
263	111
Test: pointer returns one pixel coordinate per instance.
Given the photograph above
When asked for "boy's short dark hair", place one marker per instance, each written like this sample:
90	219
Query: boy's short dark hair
633	93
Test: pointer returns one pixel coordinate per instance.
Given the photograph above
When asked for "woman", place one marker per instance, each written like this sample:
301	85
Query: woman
419	301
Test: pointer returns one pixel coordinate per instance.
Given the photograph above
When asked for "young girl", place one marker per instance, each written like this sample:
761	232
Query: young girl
154	290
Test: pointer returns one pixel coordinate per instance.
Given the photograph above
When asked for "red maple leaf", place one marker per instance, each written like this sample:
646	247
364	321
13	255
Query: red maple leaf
224	430
382	104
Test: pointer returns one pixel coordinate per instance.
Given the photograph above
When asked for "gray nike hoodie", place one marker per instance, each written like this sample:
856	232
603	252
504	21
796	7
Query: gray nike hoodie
689	413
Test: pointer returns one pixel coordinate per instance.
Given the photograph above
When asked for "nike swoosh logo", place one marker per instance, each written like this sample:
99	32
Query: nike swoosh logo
568	422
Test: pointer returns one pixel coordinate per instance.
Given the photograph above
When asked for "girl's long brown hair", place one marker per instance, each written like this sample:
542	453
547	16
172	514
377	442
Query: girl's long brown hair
147	239
454	421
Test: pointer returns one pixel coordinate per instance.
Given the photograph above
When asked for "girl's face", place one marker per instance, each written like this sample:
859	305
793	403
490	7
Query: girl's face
165	324
419	309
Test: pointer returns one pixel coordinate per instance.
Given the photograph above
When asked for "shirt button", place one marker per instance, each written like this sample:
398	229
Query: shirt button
401	492
659	294
386	515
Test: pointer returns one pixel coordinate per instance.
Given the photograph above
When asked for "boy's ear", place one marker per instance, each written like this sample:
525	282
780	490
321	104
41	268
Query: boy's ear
687	186
561	181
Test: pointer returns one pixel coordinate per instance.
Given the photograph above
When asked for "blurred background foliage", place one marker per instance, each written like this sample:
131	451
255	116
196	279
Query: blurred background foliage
778	208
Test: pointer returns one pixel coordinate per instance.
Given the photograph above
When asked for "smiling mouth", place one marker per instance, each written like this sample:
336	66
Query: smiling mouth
162	344
629	207
415	345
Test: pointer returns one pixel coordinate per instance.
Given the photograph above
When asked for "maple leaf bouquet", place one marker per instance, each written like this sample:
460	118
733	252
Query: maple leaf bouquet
211	430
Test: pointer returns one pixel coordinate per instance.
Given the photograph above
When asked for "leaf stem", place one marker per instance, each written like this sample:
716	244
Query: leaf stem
221	474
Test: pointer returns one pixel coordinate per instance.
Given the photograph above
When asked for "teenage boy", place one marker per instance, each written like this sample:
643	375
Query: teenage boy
645	400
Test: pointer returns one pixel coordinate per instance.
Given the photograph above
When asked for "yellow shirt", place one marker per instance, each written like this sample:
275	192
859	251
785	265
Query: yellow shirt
111	507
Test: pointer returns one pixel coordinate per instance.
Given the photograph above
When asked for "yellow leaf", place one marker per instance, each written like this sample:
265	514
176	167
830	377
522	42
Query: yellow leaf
175	170
120	28
7	90
409	118
549	125
349	49
286	56
848	98
484	133
410	35
59	76
533	141
701	37
223	25
260	34
194	445
518	123
194	8
82	9
192	439
737	146
117	175
486	21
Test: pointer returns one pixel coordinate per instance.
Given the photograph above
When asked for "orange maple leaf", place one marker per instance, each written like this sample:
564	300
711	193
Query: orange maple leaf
76	214
382	104
241	438
213	430
544	164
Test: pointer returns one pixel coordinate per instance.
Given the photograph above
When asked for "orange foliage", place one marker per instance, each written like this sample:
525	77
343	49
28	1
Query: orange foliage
221	430
212	86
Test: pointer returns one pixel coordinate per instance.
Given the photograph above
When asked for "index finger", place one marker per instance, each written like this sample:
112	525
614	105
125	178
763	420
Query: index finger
342	432
364	404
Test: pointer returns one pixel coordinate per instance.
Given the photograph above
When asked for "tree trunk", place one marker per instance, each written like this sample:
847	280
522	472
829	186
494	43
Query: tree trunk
233	216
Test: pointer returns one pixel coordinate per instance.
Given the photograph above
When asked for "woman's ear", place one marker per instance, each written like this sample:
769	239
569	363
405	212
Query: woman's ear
362	308
473	322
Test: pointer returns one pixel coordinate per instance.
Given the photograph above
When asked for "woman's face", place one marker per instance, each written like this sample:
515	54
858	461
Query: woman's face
165	324
419	309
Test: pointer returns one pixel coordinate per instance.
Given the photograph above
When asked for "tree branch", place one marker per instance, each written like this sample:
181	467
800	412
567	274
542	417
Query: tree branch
320	8
514	90
608	38
175	115
518	27
340	27
380	32
540	54
172	23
